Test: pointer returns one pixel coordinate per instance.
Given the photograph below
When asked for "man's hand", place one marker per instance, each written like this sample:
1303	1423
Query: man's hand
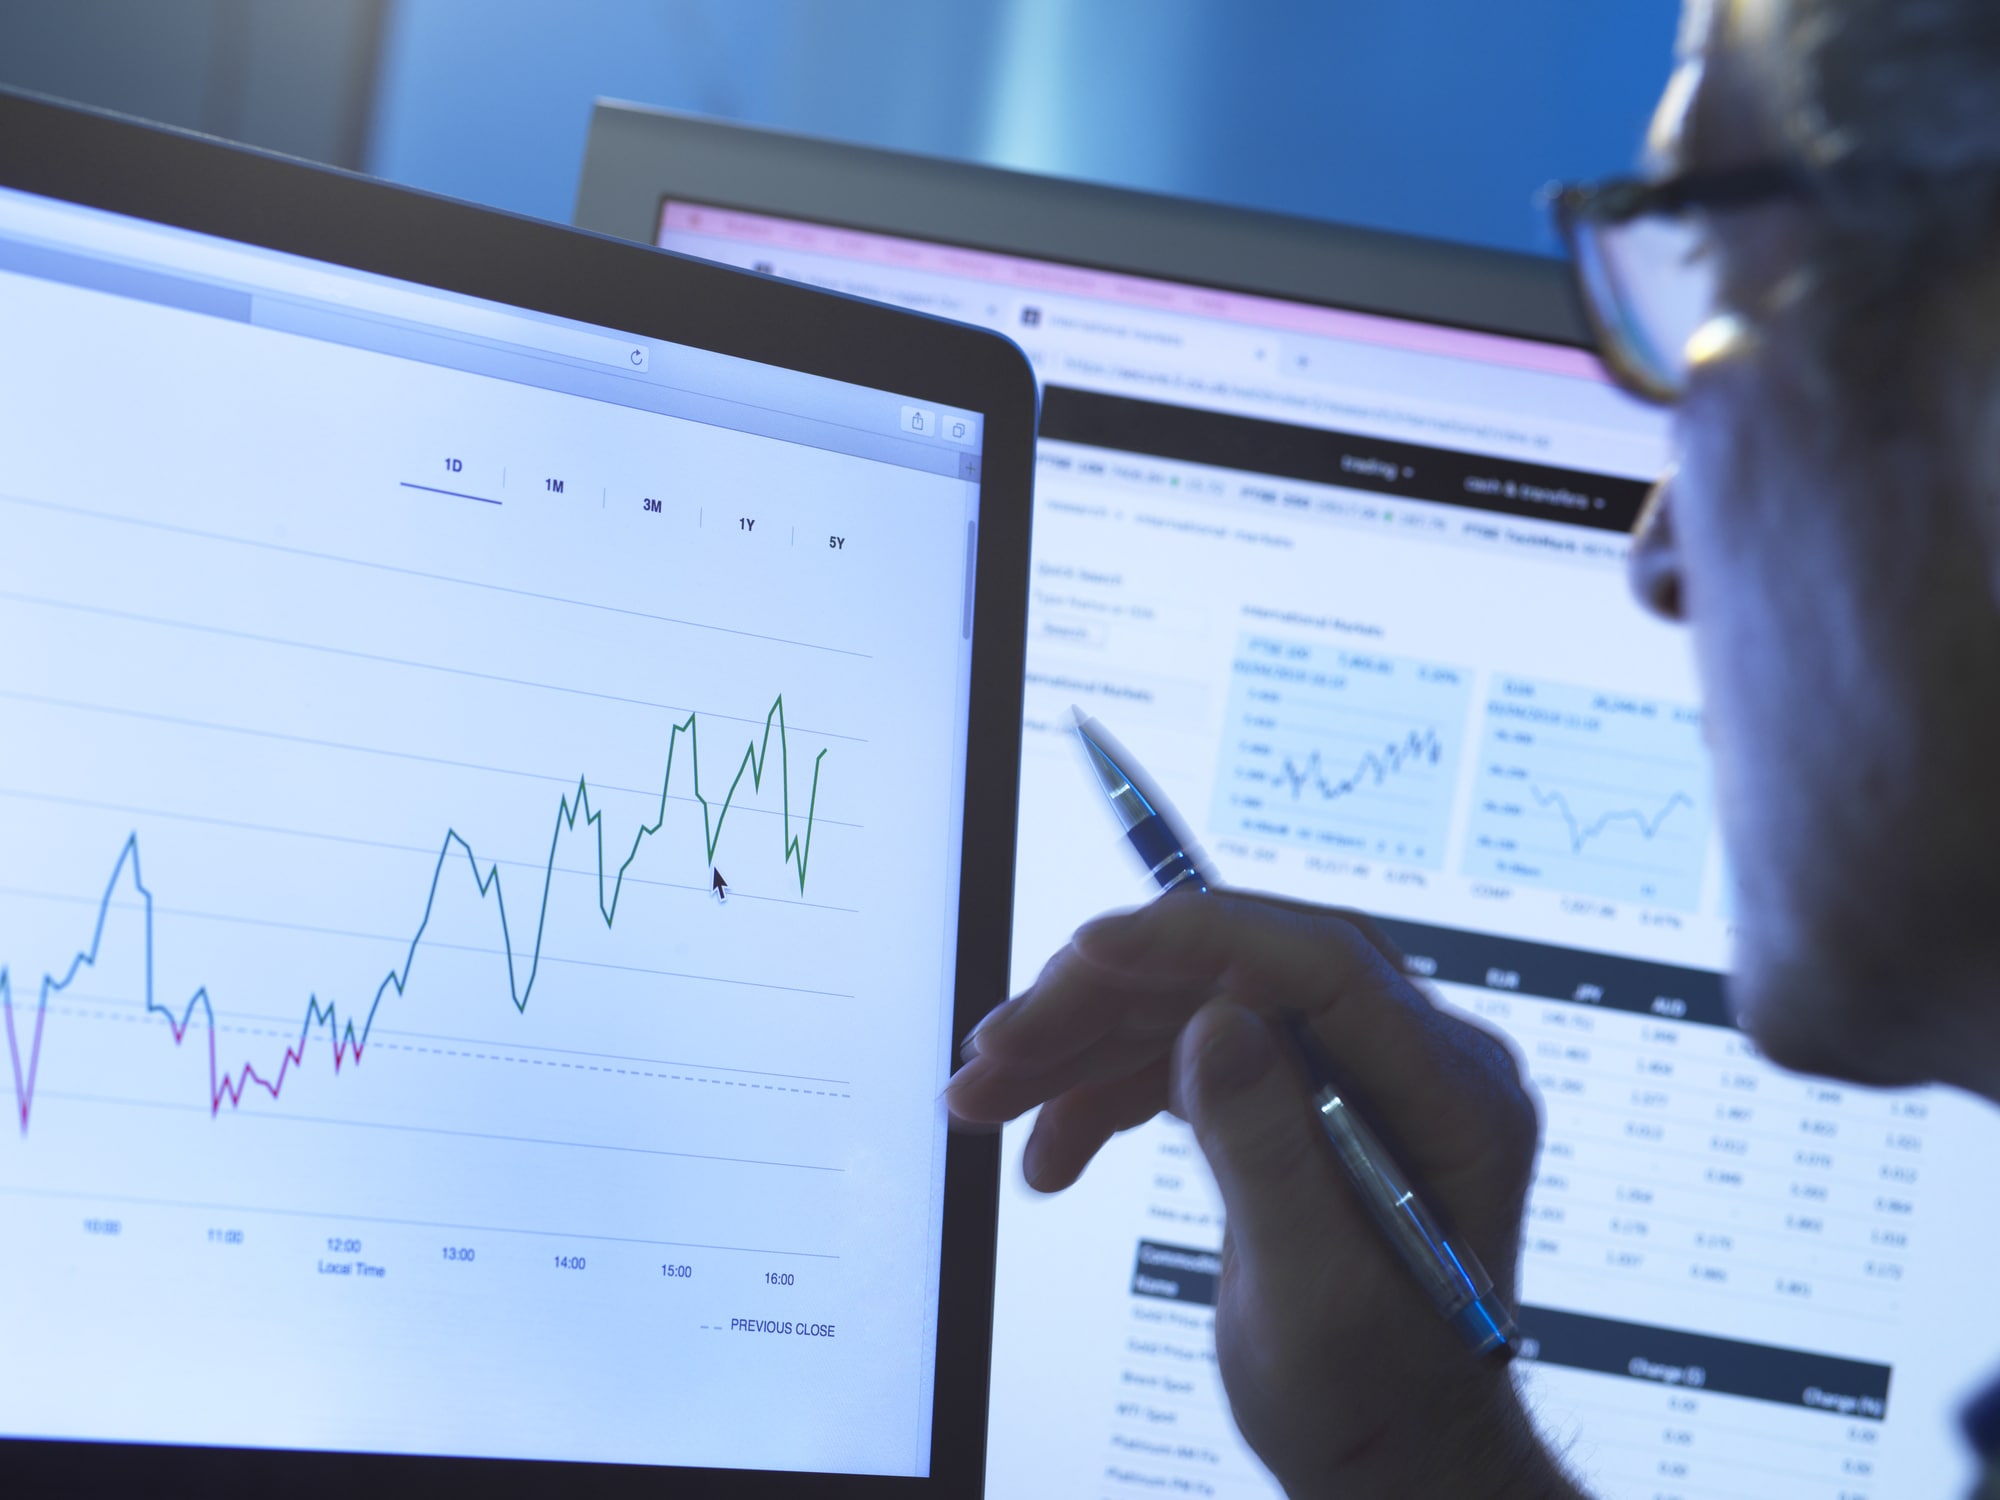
1341	1373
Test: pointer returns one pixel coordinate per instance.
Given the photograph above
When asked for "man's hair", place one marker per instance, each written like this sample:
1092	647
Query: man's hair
1895	105
1909	92
1914	82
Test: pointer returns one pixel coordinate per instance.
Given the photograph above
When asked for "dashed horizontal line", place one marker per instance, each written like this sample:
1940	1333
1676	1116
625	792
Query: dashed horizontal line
84	1014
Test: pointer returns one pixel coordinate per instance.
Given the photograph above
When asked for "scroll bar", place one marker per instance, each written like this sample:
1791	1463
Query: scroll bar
971	571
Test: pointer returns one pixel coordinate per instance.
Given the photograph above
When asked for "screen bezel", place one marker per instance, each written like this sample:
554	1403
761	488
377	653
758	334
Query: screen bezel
638	156
175	178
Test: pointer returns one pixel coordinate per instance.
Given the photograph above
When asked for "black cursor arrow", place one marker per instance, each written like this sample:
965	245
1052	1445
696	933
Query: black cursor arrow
718	886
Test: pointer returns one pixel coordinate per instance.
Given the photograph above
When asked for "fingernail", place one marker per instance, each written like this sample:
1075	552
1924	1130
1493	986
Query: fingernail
968	1069
1238	1051
958	1121
969	1048
1031	1162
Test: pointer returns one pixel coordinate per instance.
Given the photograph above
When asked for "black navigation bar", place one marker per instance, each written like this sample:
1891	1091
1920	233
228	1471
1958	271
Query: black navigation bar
1603	981
1316	456
1701	1362
1175	1273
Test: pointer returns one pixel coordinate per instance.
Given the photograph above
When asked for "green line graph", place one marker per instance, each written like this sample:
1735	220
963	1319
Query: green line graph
798	851
756	756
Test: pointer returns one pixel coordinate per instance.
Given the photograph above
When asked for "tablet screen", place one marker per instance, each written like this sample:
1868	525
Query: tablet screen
481	805
1352	589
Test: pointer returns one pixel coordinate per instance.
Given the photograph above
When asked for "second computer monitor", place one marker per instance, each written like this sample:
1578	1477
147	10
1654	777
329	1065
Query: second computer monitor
1331	530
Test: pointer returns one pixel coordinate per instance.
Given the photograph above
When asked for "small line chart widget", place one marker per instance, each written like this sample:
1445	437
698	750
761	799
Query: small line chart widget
1597	793
1342	751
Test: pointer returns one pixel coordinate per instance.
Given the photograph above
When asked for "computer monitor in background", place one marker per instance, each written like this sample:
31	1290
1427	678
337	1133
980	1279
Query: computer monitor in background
1330	530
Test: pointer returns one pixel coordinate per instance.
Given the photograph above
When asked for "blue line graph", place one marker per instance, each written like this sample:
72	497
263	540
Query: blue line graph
1582	833
1600	794
1420	747
1341	751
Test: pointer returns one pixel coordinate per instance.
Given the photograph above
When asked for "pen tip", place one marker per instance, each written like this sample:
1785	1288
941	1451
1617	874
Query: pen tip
1110	774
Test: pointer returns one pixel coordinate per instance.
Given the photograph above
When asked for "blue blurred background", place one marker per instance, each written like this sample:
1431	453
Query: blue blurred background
1432	117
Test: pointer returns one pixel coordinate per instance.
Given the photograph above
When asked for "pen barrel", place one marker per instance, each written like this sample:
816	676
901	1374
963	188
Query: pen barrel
1450	1275
1160	847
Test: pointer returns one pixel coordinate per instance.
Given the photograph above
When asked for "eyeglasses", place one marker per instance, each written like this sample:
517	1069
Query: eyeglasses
1645	272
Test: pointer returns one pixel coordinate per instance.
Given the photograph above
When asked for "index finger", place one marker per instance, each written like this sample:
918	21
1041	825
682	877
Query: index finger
1119	997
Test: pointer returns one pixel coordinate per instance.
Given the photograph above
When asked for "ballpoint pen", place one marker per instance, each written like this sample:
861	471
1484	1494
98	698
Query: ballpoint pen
1452	1276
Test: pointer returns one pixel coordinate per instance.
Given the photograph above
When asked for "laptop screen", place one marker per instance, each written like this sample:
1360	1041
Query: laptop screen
1352	588
481	804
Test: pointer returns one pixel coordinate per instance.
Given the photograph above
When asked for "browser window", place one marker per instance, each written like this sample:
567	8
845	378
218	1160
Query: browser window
481	804
1352	589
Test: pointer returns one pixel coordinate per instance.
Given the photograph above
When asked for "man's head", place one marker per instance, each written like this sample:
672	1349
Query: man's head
1833	533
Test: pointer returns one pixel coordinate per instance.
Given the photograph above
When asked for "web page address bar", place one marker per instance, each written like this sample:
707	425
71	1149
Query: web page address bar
268	274
448	315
